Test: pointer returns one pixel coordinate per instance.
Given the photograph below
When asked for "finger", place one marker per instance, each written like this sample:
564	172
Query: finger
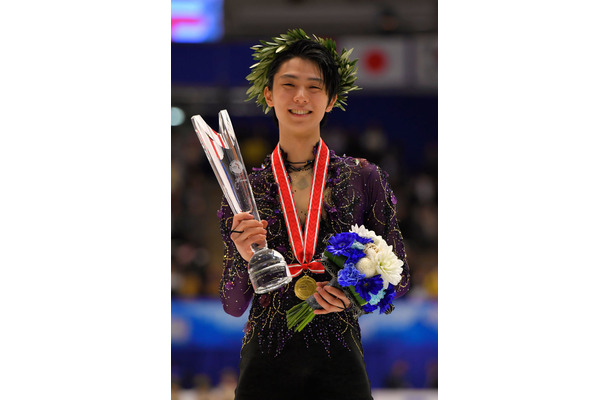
258	239
247	228
244	245
326	307
330	298
250	223
343	303
249	235
338	293
238	218
251	231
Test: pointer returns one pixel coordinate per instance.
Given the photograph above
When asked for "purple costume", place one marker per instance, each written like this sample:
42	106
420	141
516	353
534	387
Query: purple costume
327	354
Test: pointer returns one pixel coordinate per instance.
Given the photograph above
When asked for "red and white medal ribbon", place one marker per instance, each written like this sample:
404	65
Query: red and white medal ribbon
314	266
303	246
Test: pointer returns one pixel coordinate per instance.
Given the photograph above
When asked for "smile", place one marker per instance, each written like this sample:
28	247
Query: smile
299	112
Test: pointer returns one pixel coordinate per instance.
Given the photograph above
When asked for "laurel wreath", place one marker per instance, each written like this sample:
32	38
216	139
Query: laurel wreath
266	52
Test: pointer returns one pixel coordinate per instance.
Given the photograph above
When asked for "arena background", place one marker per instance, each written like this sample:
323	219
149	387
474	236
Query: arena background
391	122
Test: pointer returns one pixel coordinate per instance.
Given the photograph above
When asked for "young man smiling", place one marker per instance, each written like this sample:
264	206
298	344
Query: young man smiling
300	100
303	191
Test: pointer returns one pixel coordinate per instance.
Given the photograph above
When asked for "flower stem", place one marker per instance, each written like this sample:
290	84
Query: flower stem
299	316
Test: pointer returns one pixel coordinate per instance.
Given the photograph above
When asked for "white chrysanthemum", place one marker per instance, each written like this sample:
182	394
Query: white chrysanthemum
371	249
389	266
368	234
367	266
363	232
380	259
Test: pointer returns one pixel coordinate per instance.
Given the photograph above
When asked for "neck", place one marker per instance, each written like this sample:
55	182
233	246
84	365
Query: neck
299	149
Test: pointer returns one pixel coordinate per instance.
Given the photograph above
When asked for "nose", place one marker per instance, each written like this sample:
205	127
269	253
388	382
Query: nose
300	96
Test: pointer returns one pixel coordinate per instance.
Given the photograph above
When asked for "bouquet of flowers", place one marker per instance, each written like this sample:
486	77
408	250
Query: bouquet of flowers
364	266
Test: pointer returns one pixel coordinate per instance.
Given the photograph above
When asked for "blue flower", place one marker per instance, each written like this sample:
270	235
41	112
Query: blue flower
359	288
385	302
340	244
363	241
368	286
369	308
357	245
376	298
354	256
349	276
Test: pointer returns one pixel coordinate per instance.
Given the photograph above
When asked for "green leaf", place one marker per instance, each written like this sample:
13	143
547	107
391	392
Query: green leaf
266	52
360	300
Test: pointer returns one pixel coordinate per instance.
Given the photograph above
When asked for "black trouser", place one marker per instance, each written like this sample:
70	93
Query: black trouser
303	373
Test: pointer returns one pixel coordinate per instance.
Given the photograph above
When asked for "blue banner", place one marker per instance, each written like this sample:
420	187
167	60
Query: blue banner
206	340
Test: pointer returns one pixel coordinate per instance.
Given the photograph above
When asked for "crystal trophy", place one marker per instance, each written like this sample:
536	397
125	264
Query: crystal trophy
267	268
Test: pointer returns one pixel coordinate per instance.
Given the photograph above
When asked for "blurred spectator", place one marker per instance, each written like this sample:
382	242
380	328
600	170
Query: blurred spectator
388	21
424	189
374	143
432	375
430	282
398	377
225	390
203	387
175	393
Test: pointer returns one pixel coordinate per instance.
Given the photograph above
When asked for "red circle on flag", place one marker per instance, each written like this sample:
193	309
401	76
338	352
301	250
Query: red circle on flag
375	61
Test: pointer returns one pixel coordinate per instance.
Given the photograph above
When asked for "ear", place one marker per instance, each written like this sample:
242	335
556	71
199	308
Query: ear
268	96
331	103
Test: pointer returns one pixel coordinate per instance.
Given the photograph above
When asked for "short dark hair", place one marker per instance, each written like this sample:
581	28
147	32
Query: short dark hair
315	52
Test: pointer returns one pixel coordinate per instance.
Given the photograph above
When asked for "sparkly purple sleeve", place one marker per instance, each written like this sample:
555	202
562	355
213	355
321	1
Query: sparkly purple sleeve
235	288
381	218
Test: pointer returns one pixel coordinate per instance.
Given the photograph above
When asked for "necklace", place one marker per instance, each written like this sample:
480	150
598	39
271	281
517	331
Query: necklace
290	166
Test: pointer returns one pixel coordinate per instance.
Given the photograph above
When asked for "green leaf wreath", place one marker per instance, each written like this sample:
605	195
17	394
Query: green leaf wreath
266	52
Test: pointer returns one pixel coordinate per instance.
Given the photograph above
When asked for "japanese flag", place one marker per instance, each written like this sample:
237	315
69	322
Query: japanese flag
383	62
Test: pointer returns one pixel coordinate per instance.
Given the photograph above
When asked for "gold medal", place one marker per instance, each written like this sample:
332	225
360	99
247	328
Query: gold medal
305	287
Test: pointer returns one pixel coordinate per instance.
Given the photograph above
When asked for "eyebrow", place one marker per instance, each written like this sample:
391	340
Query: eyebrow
296	77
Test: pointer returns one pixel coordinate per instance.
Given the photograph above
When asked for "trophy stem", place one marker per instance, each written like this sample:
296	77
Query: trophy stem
256	247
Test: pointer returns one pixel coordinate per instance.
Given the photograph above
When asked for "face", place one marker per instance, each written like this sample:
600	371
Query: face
299	96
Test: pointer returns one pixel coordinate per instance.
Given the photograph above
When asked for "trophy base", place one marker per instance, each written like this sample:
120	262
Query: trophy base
268	271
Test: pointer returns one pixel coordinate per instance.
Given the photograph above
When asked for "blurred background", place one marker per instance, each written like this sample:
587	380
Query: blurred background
391	122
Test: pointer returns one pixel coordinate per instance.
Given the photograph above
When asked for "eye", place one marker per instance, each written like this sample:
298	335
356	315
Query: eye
288	84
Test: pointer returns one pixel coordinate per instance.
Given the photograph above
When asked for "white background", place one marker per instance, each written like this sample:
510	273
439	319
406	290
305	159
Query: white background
523	210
